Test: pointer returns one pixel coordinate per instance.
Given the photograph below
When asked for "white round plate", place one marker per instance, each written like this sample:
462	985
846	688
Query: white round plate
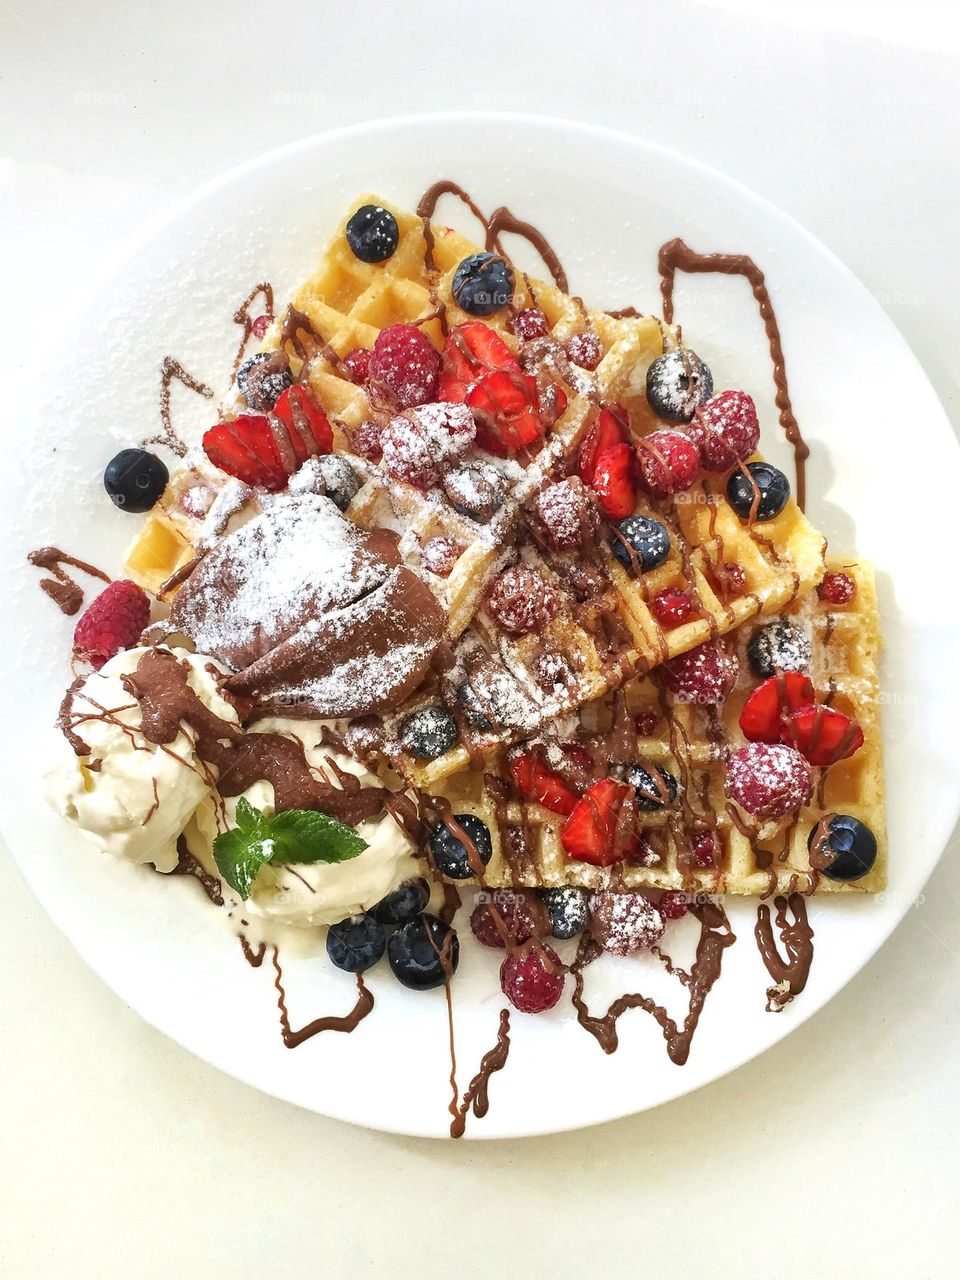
606	202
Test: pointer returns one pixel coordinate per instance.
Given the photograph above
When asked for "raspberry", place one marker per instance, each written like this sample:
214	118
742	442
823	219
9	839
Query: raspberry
673	904
260	326
704	675
672	608
520	918
406	364
567	513
726	430
669	462
625	922
837	588
531	324
729	580
768	780
703	844
356	364
439	555
584	349
647	722
113	621
521	601
528	984
419	444
365	440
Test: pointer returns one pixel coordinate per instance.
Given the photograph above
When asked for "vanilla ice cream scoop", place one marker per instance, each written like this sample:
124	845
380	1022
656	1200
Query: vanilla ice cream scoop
314	893
129	796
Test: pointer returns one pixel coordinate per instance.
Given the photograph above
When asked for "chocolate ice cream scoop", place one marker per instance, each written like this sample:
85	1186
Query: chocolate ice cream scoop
314	615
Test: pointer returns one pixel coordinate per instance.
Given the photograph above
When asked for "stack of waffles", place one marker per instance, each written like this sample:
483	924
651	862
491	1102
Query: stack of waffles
600	654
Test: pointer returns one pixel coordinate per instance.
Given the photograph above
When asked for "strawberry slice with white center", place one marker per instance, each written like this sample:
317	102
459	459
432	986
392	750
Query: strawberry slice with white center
600	828
822	735
536	782
471	350
771	703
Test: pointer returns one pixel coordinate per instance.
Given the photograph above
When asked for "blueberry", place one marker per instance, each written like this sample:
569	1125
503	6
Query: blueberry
645	537
774	491
135	479
482	284
428	732
568	909
854	844
340	479
779	646
655	787
357	943
404	903
473	712
475	491
450	854
373	234
677	383
263	379
424	953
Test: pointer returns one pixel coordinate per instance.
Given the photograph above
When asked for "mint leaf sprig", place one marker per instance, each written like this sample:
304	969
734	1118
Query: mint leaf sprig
298	835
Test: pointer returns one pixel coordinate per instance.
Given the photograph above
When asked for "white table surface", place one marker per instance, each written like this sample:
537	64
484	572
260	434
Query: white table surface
834	1153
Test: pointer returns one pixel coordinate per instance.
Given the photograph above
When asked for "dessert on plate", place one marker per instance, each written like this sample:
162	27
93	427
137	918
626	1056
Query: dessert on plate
472	588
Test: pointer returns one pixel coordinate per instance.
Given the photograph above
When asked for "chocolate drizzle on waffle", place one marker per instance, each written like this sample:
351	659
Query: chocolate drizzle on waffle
675	256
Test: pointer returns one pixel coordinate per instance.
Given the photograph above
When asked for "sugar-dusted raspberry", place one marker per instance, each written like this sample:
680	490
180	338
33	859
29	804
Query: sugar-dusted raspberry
521	601
646	722
567	513
420	444
673	904
439	555
837	588
356	364
529	984
260	326
726	430
703	845
113	621
673	608
625	922
365	439
531	324
704	675
668	462
768	780
521	917
405	364
584	349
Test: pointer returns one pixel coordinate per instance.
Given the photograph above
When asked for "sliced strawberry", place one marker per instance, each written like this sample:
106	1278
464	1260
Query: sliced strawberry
310	432
822	735
608	430
471	350
765	711
594	830
507	408
536	782
245	448
614	481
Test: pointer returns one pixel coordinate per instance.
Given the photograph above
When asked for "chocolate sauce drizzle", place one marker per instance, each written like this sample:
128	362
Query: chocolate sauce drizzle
245	320
791	971
675	256
477	1093
347	1023
188	865
715	936
171	370
66	594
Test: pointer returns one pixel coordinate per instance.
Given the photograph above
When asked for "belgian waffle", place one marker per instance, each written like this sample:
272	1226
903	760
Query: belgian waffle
689	741
345	304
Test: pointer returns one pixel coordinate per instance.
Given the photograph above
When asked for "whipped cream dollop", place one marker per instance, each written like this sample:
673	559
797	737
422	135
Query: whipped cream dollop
313	893
129	796
134	798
